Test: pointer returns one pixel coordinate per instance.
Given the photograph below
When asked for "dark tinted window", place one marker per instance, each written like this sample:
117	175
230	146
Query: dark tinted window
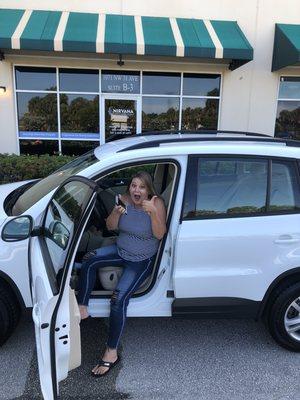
227	187
78	80
77	147
161	83
160	113
37	146
33	78
199	113
285	195
201	85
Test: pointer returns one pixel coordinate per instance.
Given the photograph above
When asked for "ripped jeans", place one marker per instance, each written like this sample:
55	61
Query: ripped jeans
134	273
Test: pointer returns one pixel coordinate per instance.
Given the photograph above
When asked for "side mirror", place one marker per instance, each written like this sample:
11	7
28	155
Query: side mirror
17	229
59	234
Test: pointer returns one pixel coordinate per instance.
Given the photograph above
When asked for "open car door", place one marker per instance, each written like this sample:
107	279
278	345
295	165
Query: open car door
52	248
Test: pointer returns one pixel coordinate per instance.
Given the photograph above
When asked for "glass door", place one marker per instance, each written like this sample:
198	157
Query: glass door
120	117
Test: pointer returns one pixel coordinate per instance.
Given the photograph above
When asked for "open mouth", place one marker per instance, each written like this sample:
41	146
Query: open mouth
137	197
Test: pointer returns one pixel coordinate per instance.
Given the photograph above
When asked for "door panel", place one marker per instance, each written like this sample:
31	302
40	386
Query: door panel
231	243
235	257
51	254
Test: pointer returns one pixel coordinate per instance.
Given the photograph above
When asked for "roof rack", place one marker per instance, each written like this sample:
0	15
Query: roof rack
183	138
185	132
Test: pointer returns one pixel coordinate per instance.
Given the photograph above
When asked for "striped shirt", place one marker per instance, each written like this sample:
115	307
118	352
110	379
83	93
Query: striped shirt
136	241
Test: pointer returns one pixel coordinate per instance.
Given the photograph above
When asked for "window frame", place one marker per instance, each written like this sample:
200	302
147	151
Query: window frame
180	70
284	99
192	166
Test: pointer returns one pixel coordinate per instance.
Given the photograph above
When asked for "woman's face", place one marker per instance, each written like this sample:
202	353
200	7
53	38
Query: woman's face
138	191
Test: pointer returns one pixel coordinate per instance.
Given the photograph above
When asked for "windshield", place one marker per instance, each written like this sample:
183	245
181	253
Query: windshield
44	186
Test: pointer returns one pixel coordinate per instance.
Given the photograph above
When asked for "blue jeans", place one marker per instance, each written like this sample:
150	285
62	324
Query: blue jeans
134	273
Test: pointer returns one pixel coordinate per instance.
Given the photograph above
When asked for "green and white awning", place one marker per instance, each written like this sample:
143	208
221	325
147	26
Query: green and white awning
123	34
286	46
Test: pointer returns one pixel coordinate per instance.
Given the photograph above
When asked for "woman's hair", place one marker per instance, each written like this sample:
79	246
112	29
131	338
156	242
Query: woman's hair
145	177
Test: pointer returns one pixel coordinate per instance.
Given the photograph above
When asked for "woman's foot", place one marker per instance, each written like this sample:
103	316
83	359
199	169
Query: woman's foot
110	356
83	312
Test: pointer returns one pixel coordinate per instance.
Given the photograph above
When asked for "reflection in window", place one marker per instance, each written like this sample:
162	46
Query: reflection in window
34	78
160	113
78	80
229	186
161	83
284	195
201	85
289	87
37	146
199	113
288	119
288	108
77	147
37	114
79	116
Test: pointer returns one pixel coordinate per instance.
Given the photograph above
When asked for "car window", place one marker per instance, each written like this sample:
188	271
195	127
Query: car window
284	194
62	217
44	186
227	187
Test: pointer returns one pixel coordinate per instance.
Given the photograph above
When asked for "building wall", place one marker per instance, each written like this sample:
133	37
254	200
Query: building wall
249	94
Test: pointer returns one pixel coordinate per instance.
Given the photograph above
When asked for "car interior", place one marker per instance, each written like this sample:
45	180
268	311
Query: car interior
96	234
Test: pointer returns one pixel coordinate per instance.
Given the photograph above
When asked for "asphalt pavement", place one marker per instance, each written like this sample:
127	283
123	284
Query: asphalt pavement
163	359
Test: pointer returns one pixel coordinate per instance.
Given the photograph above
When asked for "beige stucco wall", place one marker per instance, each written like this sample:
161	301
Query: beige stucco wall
249	94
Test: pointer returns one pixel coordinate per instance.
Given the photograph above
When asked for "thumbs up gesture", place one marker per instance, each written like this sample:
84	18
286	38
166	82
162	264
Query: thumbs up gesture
149	205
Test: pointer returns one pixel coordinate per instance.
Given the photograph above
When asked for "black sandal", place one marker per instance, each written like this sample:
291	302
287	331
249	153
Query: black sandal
107	364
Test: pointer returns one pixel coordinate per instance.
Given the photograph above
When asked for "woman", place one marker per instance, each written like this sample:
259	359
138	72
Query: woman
141	226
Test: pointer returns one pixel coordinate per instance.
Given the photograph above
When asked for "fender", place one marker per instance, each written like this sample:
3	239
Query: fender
11	284
286	276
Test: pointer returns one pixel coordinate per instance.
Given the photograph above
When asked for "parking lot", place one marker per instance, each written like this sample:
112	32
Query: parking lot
163	359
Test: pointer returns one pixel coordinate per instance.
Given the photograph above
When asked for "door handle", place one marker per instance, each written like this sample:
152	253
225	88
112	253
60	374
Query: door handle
286	239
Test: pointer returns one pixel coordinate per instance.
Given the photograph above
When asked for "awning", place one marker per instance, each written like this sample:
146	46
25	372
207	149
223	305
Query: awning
123	34
286	46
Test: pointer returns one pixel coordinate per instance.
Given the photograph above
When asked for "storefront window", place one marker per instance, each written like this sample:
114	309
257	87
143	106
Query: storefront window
199	113
37	146
33	78
78	80
120	82
77	147
79	116
117	103
37	115
201	85
160	113
161	83
288	108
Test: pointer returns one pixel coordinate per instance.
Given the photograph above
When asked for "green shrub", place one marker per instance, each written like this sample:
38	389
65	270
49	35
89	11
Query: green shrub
15	168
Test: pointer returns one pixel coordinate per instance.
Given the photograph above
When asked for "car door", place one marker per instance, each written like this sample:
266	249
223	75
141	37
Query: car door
240	229
52	249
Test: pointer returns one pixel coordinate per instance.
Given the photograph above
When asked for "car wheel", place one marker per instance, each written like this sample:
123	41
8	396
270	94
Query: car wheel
284	317
9	313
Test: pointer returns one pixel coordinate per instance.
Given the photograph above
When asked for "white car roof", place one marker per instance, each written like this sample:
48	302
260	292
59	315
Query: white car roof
176	143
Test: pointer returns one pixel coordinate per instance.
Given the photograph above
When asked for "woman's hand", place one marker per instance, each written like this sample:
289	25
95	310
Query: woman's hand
149	206
119	210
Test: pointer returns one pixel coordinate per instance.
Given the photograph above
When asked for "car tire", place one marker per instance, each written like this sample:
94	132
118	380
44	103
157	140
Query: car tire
283	312
9	313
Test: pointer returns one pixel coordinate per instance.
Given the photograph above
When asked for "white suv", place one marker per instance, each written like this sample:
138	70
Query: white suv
232	247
